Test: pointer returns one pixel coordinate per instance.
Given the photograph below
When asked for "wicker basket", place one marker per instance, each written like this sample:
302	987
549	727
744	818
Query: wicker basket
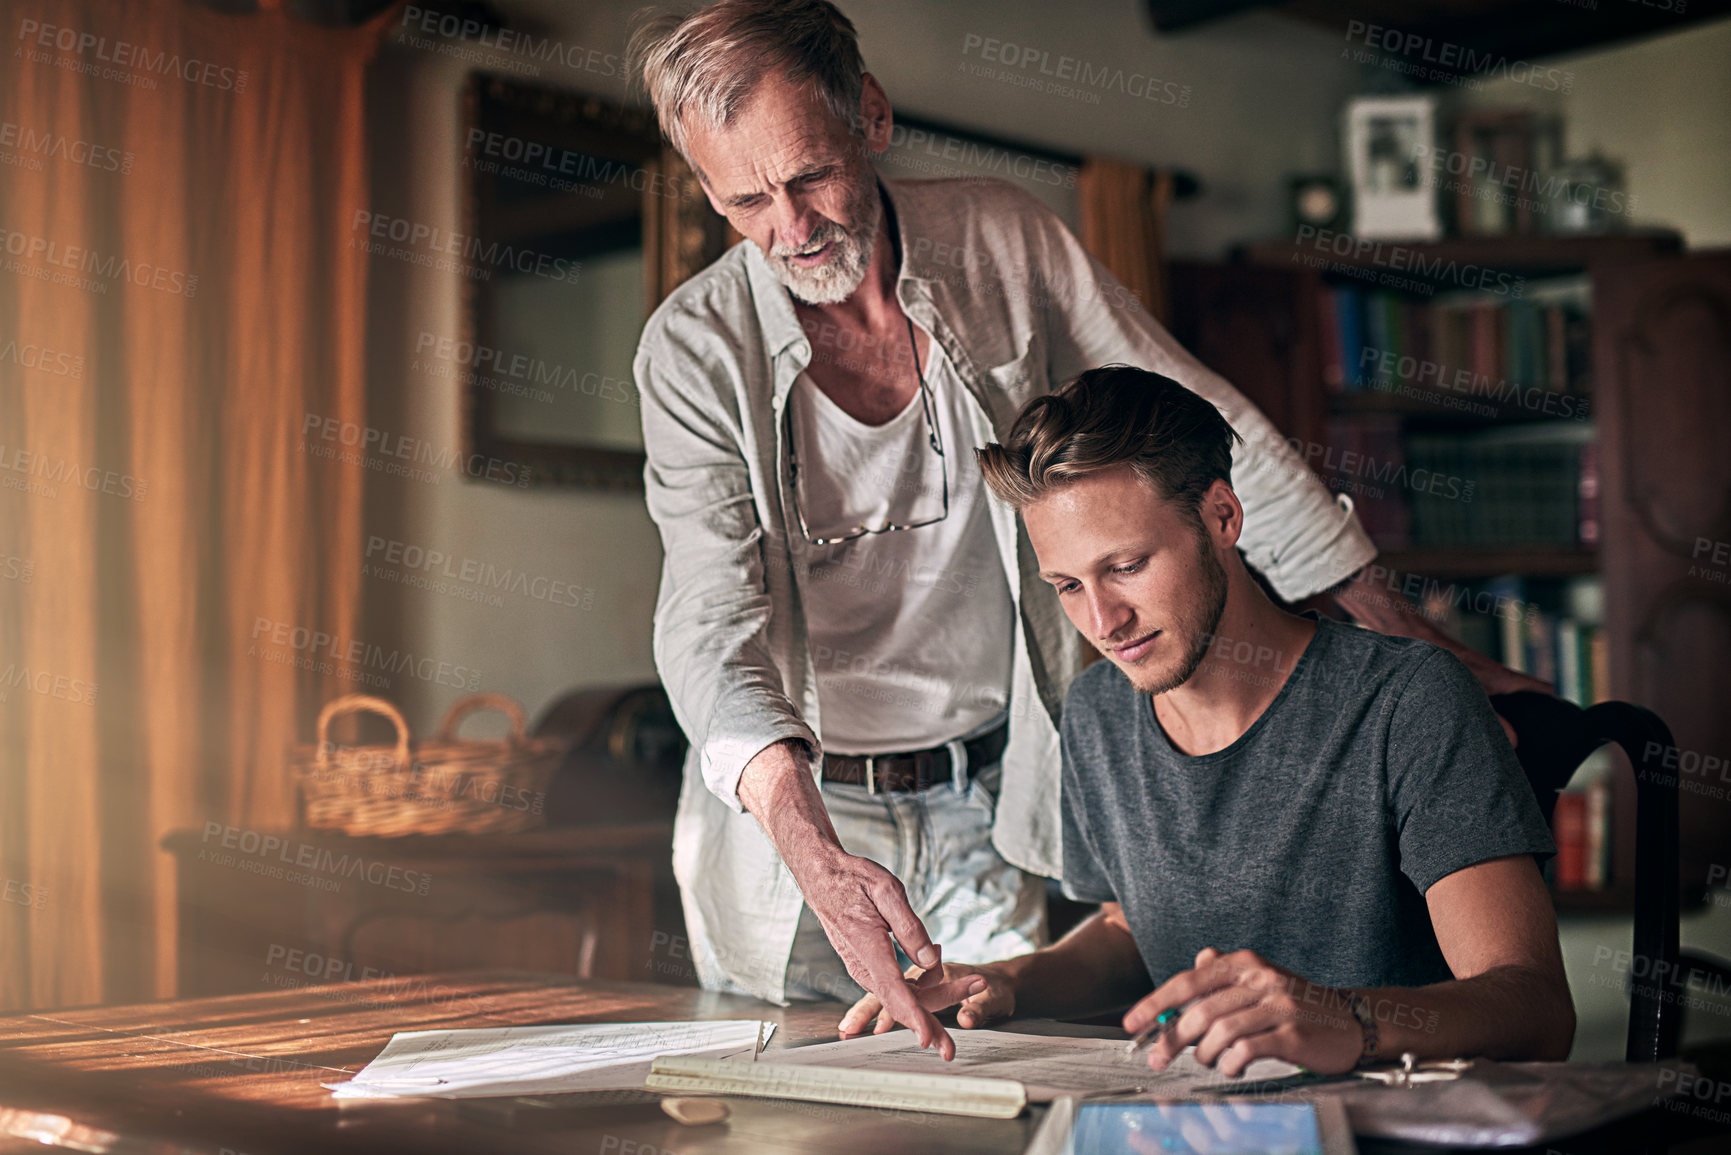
445	786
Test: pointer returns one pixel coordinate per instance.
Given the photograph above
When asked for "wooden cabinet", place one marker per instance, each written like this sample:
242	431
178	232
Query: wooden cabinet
289	909
1256	327
1662	358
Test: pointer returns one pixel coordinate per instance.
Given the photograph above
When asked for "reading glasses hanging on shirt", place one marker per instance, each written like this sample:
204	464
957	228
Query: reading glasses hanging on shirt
928	406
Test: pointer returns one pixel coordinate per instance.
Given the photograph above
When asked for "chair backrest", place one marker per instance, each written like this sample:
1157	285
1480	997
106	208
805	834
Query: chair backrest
1553	737
625	757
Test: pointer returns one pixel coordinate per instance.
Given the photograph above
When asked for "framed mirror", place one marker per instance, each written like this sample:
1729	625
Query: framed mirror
585	221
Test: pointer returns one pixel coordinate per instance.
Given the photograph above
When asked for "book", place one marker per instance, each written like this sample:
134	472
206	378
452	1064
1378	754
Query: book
1445	344
1526	345
1600	647
1579	339
1333	366
1375	337
1513	485
1487	357
1568	681
1394	326
1540	637
1550	629
1350	318
1494	348
1509	595
1596	864
1556	349
1569	829
1588	531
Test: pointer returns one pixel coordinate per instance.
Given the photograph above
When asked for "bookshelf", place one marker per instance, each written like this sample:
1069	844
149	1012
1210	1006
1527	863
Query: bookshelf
1378	403
1527	255
1261	320
1536	561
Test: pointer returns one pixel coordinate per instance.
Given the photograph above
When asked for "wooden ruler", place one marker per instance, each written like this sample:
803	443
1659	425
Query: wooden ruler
945	1095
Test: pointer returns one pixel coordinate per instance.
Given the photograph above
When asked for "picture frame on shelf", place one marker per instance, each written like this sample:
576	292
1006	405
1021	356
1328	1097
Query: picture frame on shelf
1387	139
1501	152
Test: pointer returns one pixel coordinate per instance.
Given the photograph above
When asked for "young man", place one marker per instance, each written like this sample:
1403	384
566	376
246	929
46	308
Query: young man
1313	839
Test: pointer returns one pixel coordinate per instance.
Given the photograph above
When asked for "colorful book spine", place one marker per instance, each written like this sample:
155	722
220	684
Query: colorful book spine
1568	682
1394	327
1596	867
1484	341
1493	342
1589	494
1556	349
1601	663
1541	644
1348	306
1376	337
1580	351
1569	828
1510	595
1333	364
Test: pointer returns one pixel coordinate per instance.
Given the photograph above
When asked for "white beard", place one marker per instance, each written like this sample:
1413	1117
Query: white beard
835	280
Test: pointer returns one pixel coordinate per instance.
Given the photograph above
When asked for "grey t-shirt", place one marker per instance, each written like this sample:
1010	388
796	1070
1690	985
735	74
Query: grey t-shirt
1377	770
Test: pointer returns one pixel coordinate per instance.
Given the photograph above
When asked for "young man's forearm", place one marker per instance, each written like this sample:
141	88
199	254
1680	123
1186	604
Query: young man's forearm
1094	968
1508	1012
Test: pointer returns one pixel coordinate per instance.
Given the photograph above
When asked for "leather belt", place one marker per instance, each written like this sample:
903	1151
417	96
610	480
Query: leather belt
915	769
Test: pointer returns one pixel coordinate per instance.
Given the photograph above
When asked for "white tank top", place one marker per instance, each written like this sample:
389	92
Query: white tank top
911	632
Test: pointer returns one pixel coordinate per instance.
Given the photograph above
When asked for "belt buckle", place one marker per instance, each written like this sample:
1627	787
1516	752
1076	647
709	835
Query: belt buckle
871	767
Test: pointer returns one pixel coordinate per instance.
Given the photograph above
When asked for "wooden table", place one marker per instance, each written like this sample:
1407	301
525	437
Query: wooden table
241	1075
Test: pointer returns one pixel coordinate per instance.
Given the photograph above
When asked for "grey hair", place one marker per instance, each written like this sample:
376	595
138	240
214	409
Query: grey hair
708	64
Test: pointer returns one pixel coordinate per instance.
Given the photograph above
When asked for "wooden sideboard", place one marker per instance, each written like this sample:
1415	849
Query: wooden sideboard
286	909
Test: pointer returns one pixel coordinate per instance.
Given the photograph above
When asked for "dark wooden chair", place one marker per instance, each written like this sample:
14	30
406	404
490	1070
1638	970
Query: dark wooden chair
1553	738
623	765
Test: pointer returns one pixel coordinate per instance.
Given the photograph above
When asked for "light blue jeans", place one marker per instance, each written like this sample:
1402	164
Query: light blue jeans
938	841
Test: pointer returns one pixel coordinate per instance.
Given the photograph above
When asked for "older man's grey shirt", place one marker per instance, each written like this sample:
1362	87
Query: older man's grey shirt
1017	307
1377	770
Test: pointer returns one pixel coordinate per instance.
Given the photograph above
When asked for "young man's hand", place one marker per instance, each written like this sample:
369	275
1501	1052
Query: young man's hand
984	992
1241	1008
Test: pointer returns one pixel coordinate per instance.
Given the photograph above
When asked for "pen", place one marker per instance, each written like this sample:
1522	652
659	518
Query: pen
1152	1030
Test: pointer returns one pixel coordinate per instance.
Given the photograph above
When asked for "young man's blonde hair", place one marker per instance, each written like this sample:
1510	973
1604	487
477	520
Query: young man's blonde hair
705	67
1114	416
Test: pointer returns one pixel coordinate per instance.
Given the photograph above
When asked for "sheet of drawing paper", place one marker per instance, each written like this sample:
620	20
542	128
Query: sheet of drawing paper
542	1060
1048	1066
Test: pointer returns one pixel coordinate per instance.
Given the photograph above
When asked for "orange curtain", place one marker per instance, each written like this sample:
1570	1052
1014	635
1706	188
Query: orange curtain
178	300
1123	215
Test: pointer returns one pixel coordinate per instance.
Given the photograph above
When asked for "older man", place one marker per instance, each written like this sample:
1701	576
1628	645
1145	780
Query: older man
854	638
